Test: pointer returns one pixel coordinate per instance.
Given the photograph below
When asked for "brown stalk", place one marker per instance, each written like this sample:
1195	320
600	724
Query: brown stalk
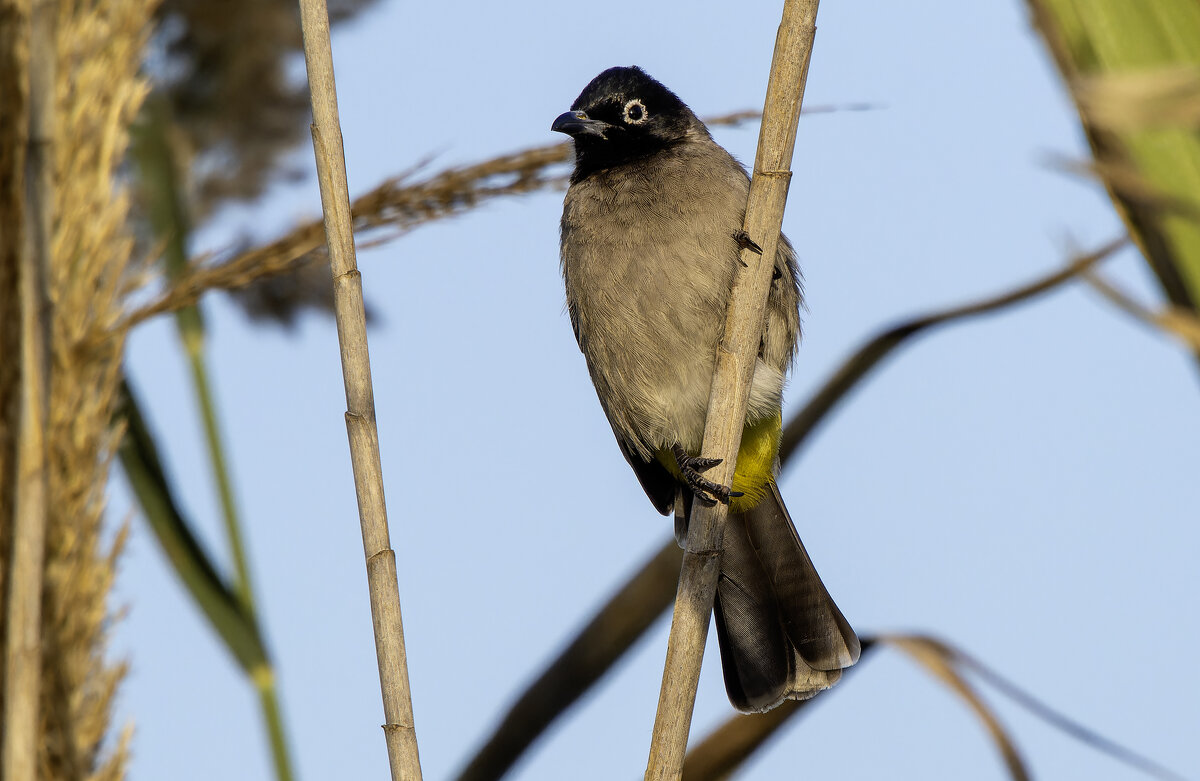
939	660
23	648
14	53
63	218
731	385
1177	321
361	428
724	749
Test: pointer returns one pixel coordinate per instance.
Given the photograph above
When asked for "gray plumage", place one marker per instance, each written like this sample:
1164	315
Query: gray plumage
649	251
648	258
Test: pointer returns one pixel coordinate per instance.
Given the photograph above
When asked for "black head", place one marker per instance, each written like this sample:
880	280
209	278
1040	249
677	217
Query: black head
623	115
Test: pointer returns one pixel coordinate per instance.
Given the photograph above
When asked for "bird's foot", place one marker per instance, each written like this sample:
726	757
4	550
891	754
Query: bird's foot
706	491
745	242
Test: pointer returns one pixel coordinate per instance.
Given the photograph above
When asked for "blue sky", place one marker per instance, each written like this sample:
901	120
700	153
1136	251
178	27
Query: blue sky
1023	486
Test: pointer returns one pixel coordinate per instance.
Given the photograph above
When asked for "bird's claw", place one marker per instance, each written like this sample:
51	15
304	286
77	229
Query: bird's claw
706	491
745	242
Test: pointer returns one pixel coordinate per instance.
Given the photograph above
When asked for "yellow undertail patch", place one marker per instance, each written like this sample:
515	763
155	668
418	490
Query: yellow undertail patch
755	468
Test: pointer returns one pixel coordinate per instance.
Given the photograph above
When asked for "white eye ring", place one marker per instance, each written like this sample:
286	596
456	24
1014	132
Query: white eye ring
641	107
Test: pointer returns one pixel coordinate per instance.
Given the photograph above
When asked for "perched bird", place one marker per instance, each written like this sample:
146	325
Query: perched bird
651	232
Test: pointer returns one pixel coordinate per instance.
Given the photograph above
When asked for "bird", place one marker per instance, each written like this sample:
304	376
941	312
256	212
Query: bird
650	236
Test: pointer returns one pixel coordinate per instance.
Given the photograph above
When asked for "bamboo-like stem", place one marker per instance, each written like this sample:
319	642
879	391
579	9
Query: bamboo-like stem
23	652
731	385
351	318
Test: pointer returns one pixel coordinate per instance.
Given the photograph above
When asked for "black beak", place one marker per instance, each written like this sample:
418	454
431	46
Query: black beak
576	123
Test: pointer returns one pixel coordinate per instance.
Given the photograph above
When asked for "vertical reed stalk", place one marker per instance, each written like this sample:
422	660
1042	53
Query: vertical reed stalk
23	654
731	386
351	318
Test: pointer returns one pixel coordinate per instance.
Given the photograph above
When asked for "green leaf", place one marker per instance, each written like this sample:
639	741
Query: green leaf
224	610
1133	68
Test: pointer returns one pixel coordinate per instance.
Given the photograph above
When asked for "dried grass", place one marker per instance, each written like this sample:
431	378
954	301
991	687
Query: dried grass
394	204
237	109
100	45
14	57
390	210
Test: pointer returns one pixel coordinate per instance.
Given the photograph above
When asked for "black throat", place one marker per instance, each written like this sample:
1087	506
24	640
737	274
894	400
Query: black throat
596	154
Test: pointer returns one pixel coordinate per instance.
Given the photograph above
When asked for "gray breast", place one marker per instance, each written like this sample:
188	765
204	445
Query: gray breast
648	257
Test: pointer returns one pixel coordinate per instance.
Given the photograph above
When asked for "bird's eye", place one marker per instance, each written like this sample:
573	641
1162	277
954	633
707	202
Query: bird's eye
635	112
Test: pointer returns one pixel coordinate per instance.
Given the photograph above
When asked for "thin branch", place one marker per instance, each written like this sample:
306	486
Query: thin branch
23	652
938	659
837	388
623	619
1054	718
399	730
731	744
1175	320
734	368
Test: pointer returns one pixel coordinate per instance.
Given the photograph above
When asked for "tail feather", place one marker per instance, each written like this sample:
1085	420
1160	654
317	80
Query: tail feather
780	633
818	629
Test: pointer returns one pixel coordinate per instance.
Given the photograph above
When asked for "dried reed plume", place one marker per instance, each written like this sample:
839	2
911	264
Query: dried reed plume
394	204
99	48
236	109
398	205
